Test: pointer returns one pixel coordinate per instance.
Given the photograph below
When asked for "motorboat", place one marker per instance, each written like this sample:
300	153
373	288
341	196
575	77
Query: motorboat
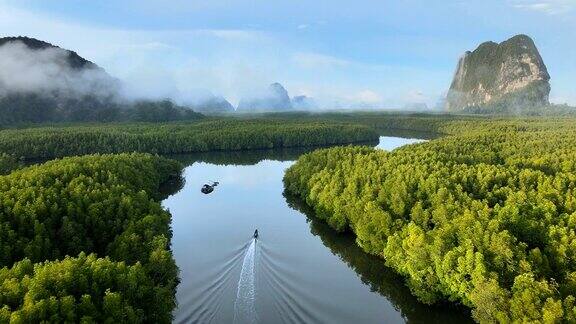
208	188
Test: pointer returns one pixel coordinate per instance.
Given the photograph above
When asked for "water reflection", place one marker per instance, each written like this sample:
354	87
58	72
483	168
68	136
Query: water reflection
373	273
409	134
248	157
170	187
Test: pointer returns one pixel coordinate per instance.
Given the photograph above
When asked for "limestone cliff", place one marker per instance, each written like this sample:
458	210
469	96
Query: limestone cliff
511	74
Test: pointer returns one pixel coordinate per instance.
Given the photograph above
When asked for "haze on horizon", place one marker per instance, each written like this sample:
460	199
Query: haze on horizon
343	54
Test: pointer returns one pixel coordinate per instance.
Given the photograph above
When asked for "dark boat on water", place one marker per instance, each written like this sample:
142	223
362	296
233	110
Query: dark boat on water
206	189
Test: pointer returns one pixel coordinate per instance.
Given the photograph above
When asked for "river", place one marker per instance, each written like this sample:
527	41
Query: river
298	271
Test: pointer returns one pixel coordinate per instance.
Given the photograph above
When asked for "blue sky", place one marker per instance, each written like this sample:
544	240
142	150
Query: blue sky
343	53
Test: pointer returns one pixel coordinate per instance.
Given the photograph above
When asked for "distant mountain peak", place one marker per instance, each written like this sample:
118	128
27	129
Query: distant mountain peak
303	102
213	105
276	98
278	90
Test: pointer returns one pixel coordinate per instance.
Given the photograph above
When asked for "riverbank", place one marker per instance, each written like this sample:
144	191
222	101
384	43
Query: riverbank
481	217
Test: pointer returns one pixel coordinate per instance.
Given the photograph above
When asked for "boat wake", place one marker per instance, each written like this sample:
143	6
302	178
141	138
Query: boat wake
245	306
259	267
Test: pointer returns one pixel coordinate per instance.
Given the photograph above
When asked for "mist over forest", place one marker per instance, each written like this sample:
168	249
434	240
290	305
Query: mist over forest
42	82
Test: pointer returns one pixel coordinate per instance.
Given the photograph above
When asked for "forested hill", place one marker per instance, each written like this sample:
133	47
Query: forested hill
484	217
74	60
41	83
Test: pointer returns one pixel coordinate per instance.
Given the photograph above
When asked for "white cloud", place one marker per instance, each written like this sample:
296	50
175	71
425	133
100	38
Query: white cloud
47	71
550	7
232	62
416	96
152	63
100	43
566	98
367	97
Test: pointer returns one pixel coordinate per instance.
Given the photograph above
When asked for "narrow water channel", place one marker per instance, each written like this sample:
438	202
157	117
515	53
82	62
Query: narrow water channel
297	271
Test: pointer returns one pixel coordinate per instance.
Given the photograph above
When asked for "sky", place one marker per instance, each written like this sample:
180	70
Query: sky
362	53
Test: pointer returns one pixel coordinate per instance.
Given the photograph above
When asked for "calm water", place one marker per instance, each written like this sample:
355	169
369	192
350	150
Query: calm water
298	271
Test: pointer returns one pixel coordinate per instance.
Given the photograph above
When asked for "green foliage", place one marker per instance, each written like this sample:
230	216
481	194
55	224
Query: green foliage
105	206
29	108
233	134
484	217
374	273
8	163
157	111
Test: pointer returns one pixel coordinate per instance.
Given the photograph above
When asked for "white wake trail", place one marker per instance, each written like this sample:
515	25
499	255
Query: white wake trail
244	307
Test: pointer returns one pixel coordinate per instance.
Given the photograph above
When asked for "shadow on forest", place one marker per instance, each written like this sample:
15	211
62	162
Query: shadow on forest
171	186
405	133
375	274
